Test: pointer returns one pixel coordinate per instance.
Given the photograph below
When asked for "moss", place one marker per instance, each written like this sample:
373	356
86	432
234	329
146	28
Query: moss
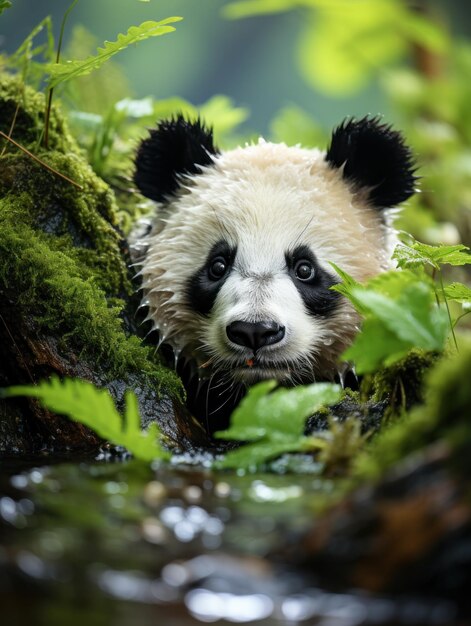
29	106
400	384
61	253
444	416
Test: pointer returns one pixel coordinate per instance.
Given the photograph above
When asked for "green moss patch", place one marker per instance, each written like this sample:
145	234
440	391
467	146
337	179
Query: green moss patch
61	253
444	417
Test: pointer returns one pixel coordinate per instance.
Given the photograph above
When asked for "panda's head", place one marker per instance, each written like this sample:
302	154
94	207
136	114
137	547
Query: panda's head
236	271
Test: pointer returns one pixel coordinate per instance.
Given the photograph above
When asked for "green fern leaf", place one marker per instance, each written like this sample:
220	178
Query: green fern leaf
62	72
83	402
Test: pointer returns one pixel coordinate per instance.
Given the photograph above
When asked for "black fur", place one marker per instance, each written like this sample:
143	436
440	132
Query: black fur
374	156
201	289
319	299
176	147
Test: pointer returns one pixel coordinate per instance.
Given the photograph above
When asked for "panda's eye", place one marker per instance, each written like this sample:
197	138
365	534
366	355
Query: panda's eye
217	268
304	270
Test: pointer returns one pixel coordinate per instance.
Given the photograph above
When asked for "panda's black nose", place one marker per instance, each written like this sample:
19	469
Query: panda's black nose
255	335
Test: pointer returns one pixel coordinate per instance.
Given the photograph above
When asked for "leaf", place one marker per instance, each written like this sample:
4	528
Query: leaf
394	326
23	56
458	292
62	72
374	346
410	317
83	402
252	455
419	254
4	4
273	422
347	287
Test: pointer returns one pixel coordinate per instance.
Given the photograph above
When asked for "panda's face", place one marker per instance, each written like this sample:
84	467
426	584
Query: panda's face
237	271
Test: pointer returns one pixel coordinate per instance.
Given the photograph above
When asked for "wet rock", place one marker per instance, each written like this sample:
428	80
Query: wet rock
66	297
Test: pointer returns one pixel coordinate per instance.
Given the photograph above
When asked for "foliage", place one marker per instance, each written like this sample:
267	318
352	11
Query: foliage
74	291
344	43
83	402
59	73
272	421
444	417
110	138
394	326
4	4
420	254
401	309
62	72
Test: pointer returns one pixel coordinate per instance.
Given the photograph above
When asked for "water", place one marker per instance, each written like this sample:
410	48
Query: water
124	544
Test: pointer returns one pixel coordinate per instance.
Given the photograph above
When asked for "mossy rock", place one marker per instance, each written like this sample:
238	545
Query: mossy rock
64	279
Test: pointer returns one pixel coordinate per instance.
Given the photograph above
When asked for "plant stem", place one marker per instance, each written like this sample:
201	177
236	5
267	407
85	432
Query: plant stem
50	90
460	317
448	311
12	126
437	299
40	161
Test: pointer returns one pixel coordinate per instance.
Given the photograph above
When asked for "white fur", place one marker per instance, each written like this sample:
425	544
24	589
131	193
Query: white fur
263	199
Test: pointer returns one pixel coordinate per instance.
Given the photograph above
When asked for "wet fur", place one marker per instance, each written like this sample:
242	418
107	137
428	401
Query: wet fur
266	203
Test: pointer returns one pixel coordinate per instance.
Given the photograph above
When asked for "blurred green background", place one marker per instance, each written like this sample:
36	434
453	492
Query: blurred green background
288	69
255	61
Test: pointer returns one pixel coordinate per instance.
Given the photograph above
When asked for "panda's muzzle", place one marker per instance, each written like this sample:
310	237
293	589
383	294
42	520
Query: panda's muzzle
255	335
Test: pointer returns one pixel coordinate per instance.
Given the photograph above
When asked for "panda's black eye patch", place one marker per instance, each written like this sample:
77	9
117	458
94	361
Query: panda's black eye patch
312	281
204	285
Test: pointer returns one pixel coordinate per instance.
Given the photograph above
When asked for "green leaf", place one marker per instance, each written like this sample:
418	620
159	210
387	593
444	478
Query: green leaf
394	326
4	4
410	317
253	455
375	346
419	254
273	421
83	402
458	292
62	72
393	283
347	287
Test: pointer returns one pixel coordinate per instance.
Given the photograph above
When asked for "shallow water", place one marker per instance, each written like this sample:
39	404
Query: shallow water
124	544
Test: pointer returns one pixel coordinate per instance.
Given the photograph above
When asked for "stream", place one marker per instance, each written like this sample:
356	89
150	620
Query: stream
121	543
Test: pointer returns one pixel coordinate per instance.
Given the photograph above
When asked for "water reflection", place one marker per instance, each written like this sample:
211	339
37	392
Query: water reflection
123	544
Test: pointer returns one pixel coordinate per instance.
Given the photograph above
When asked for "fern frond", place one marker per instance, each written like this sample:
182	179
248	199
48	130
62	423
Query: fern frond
83	402
63	72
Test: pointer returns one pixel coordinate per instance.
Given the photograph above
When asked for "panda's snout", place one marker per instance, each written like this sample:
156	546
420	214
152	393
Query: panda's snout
255	335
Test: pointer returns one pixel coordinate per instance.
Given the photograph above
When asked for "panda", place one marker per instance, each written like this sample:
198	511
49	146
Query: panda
236	265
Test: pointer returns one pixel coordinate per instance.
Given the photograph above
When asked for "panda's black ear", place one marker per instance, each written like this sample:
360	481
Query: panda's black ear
374	157
177	146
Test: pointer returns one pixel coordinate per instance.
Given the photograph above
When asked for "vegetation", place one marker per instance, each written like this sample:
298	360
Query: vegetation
94	407
414	319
